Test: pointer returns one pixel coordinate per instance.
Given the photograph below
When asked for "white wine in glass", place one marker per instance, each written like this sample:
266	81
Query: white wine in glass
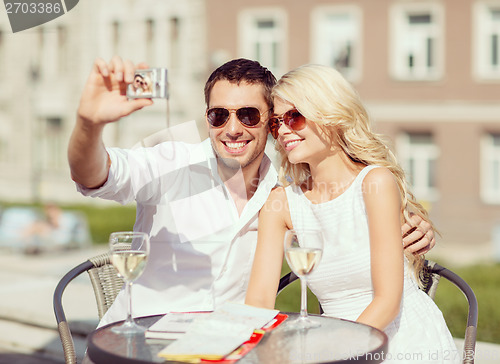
303	251
129	254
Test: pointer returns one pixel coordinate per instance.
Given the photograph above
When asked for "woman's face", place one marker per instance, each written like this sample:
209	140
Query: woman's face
308	145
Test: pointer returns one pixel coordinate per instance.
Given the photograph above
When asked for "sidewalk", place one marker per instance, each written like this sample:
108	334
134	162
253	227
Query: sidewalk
27	321
28	333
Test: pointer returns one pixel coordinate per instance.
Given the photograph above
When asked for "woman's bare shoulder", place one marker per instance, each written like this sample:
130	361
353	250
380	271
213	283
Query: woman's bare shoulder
380	176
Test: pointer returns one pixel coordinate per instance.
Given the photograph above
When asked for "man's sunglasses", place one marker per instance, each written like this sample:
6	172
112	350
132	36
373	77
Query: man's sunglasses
248	116
292	118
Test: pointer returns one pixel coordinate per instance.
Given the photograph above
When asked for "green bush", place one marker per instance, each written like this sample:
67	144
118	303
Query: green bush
104	220
289	299
484	280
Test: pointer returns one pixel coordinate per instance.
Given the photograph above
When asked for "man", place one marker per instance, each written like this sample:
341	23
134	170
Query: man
199	203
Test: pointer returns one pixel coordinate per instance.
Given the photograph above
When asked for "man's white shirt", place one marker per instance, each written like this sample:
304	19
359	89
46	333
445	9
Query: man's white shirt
201	248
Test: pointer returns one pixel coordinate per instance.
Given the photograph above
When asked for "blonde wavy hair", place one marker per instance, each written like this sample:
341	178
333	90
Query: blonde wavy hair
323	96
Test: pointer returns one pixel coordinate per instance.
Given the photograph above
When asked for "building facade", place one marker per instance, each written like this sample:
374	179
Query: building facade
43	71
427	70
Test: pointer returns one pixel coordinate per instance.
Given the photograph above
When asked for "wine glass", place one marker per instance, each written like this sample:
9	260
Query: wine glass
303	251
129	254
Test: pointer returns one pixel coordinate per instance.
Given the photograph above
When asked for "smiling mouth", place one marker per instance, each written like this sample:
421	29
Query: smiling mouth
235	146
292	143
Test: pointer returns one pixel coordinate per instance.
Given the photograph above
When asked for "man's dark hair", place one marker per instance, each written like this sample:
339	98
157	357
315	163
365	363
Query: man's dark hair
242	70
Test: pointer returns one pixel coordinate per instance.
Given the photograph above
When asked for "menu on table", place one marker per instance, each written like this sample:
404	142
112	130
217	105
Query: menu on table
214	335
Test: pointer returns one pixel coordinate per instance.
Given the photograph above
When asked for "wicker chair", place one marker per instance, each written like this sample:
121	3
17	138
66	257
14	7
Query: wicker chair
106	285
431	274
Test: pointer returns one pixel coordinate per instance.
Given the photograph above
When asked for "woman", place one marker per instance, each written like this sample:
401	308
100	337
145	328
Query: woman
346	181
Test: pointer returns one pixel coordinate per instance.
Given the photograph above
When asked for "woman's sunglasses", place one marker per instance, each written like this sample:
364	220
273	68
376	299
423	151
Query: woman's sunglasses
292	118
248	116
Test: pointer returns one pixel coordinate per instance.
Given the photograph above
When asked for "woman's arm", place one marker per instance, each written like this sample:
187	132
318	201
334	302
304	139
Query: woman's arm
266	269
383	208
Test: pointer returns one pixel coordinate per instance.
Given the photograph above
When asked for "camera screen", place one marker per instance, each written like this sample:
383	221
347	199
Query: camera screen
142	86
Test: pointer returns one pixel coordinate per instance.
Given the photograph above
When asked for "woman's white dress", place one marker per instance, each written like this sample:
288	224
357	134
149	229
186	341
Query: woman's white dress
342	281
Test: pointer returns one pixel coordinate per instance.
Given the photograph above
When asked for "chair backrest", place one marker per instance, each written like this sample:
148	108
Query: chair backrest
106	285
431	274
105	282
430	277
286	280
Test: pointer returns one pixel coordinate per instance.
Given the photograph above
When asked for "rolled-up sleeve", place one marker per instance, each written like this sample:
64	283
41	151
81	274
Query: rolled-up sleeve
118	186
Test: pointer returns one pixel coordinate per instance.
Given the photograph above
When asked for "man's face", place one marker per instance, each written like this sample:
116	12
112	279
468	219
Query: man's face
138	82
235	144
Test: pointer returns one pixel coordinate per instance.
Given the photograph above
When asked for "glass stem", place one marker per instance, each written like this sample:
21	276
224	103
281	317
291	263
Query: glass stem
128	292
303	298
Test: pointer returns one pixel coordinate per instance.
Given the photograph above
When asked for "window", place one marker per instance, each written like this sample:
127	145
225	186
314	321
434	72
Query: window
487	41
2	51
417	155
262	35
38	55
52	144
4	54
336	39
417	41
150	41
175	44
51	47
3	149
6	138
115	36
62	47
490	168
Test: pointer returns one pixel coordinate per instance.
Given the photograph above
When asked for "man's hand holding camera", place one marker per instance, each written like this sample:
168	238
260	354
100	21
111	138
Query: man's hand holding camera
104	98
418	235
